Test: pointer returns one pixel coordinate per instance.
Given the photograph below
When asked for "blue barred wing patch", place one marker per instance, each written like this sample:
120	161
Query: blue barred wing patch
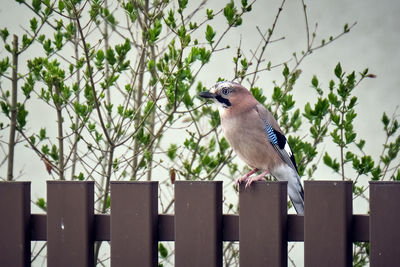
271	134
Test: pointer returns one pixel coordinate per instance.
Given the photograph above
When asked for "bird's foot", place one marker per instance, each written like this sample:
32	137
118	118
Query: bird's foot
244	178
257	178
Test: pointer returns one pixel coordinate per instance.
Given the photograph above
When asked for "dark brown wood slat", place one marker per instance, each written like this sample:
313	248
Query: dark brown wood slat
360	228
262	224
134	223
39	227
15	208
230	230
327	223
384	223
70	217
166	227
102	227
198	224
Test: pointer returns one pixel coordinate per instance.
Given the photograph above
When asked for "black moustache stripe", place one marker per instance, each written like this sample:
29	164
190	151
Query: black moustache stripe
222	100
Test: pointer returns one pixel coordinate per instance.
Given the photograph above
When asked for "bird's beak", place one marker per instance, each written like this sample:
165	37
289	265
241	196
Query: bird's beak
207	94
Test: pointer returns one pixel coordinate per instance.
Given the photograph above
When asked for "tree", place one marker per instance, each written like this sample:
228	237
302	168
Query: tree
122	77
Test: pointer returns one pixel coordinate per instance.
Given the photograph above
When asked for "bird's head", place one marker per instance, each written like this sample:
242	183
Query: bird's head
228	94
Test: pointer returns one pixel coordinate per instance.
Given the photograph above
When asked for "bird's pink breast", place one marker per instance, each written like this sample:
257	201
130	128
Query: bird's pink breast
246	135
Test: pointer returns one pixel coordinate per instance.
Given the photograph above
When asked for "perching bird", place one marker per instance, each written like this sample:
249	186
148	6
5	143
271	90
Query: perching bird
256	137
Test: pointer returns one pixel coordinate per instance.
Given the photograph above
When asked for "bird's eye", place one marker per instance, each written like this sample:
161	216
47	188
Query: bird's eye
225	91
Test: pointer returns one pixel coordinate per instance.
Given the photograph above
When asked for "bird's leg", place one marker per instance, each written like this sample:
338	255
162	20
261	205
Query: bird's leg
257	178
245	177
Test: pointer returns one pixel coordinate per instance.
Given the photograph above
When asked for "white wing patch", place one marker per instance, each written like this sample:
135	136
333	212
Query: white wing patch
287	149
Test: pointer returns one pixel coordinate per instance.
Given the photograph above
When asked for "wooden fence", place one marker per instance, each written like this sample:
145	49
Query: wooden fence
198	226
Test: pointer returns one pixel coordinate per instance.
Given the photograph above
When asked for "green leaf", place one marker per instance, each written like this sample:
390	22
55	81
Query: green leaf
34	24
162	250
385	120
110	56
36	4
288	103
32	139
45	149
61	5
22	113
26	40
338	71
210	34
333	164
171	153
346	28
80	177
187	100
350	137
42	134
131	10
376	173
333	99
210	14
258	94
41	203
229	12
149	107
314	81
349	156
182	4
155	31
182	32
285	71
277	95
58	38
47	47
352	103
327	159
361	144
238	21
4	34
100	59
4	65
54	152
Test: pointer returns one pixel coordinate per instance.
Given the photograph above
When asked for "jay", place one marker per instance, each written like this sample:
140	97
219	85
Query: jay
255	136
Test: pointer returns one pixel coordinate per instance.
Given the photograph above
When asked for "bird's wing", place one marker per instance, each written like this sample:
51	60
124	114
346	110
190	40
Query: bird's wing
275	137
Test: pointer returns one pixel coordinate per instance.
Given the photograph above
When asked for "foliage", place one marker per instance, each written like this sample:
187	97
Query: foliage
131	85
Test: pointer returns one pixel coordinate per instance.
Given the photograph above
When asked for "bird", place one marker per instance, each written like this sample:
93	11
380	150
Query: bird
255	136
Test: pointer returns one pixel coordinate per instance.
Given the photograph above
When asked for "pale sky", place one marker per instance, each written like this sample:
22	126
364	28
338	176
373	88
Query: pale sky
374	43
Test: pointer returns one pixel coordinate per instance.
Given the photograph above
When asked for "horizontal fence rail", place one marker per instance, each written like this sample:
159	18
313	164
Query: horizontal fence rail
198	226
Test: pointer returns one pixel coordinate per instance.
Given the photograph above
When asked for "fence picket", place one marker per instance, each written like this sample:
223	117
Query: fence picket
384	223
15	208
262	224
70	217
198	224
134	222
327	223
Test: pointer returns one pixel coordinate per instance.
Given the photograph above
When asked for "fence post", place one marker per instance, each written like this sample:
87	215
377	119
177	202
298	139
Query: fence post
384	223
263	224
198	223
134	223
70	216
327	223
15	210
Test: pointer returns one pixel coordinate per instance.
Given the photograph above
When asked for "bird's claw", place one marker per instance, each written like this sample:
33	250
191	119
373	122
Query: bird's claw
250	180
248	183
239	180
245	178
